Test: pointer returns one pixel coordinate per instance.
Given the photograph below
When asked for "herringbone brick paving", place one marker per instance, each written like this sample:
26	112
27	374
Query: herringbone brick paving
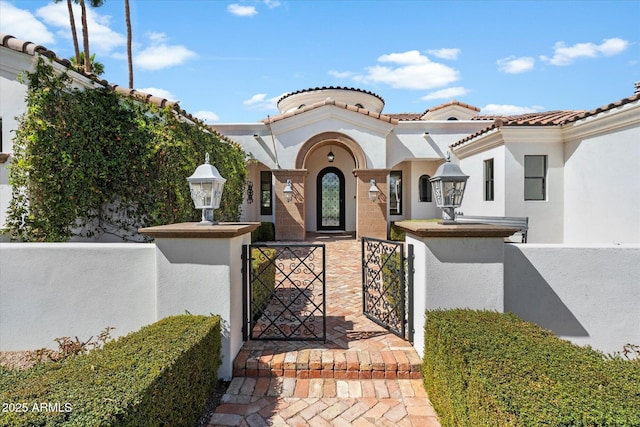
362	376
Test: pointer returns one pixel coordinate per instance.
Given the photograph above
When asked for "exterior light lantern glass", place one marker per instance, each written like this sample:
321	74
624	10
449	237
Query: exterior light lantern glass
448	187
206	185
331	157
288	191
373	191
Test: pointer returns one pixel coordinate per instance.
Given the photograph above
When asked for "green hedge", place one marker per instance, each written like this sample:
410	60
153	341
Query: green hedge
489	369
159	375
264	233
263	274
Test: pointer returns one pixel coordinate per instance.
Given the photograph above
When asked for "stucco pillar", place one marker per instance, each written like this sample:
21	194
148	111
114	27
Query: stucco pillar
371	217
290	217
199	270
456	266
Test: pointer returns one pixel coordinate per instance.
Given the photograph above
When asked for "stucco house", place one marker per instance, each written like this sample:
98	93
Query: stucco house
574	174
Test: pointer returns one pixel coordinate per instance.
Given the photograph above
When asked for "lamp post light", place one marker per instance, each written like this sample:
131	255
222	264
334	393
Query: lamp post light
206	187
288	191
448	186
374	191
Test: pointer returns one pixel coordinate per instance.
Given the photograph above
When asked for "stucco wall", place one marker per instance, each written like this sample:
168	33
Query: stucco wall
587	294
473	202
602	198
51	290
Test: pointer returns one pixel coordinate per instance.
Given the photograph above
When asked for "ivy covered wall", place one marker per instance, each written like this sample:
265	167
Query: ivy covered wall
94	162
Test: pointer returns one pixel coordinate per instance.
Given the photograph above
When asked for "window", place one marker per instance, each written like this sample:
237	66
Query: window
265	193
424	188
395	192
535	177
488	180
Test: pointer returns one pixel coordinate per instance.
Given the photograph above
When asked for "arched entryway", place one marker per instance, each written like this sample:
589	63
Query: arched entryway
330	204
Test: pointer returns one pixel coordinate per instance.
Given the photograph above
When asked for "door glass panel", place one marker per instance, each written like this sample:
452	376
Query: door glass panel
330	200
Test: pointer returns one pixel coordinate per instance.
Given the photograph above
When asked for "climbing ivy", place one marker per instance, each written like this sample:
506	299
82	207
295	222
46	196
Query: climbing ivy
93	162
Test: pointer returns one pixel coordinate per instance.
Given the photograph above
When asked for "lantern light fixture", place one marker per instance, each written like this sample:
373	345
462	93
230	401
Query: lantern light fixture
374	191
206	186
288	191
448	187
331	157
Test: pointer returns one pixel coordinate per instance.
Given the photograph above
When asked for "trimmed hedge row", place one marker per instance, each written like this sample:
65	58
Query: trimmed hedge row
489	369
159	375
263	271
266	232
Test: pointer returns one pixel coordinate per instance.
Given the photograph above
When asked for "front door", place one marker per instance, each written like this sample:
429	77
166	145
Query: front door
330	203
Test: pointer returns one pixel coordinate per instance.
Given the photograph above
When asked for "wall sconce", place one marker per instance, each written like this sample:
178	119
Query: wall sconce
374	192
288	191
249	192
331	157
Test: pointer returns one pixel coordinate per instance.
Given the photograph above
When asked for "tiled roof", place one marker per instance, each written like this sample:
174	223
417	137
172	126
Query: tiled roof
453	102
31	49
418	116
331	101
331	88
549	118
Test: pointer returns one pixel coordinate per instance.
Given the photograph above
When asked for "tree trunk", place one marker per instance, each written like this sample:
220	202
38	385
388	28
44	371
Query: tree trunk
129	37
74	34
85	38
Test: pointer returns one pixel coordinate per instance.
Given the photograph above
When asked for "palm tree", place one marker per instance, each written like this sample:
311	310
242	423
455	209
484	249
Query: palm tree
97	67
72	22
85	31
127	15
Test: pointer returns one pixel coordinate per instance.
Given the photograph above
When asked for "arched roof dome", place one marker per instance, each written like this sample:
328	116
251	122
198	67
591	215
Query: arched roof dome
351	96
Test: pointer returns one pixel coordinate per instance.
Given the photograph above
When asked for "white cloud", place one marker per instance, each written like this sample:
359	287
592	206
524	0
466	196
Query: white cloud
161	55
444	53
513	65
162	93
207	116
260	102
566	55
448	93
22	24
341	74
236	9
272	3
414	71
102	39
509	110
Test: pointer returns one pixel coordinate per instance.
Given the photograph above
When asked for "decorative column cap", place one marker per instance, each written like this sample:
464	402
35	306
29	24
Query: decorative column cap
435	229
191	230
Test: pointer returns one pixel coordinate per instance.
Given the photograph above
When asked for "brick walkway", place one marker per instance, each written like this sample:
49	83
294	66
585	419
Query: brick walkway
362	375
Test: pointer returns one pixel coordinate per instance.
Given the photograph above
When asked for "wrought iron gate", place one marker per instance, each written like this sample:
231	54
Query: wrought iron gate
284	294
387	285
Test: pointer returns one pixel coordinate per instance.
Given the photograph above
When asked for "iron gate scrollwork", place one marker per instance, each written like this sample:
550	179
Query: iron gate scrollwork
387	285
284	294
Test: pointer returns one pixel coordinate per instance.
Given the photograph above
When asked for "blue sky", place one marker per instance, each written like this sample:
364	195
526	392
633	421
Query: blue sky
229	61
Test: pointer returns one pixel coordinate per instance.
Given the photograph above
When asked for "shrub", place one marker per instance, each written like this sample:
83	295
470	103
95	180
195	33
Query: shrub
263	274
489	369
159	375
264	233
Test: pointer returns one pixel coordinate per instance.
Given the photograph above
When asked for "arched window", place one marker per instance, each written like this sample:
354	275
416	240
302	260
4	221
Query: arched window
359	105
424	188
452	118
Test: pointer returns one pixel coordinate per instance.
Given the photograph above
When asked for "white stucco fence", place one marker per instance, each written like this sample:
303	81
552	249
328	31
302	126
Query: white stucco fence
51	290
587	294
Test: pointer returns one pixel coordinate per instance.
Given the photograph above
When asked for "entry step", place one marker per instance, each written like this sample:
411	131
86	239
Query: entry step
329	363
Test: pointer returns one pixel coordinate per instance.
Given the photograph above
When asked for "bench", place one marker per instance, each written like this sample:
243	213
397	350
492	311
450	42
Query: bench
521	223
